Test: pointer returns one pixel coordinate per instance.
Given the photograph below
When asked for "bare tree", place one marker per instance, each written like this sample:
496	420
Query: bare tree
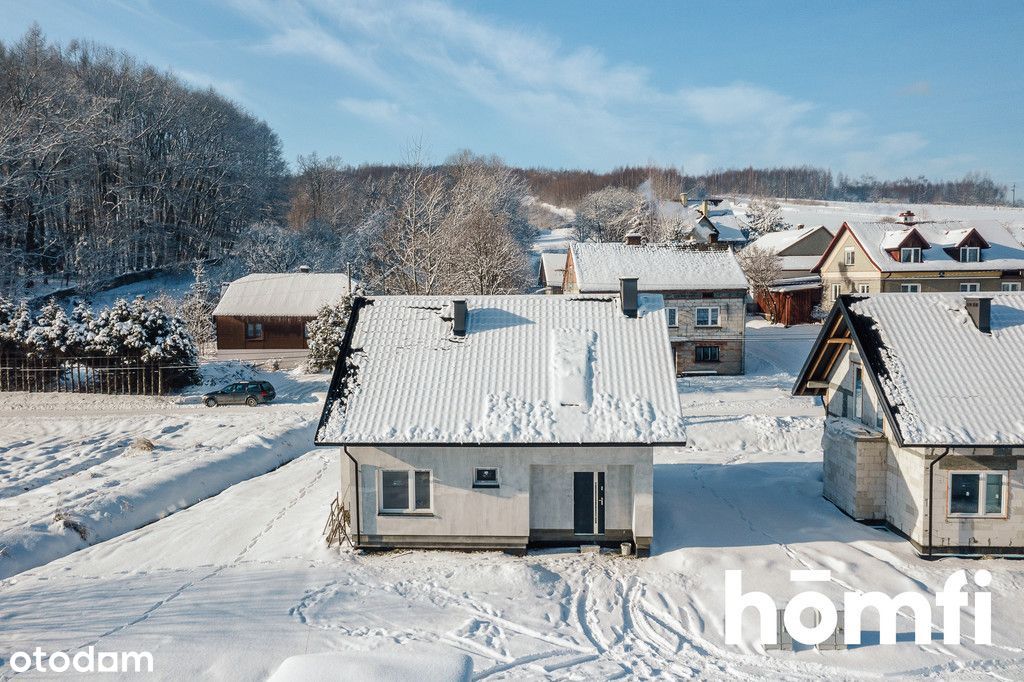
763	269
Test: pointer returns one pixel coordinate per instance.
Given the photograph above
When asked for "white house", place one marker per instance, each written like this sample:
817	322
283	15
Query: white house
502	422
924	426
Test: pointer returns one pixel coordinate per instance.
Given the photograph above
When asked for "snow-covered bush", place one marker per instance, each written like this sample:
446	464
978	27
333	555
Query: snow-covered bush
141	330
52	334
15	323
326	333
764	216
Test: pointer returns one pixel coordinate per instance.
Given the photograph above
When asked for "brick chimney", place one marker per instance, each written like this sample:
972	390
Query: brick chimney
628	295
980	310
683	198
704	207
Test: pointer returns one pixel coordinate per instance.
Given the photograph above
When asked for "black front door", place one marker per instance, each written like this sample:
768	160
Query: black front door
588	502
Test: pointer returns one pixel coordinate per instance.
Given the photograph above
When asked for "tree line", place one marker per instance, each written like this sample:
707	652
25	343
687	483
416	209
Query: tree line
569	187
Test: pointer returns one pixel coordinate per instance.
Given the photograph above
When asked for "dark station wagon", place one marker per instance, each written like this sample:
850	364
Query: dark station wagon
250	393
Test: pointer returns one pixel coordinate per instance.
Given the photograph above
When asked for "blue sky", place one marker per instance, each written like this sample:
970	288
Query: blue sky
886	88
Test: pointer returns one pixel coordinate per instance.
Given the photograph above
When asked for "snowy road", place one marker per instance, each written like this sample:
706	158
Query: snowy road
230	587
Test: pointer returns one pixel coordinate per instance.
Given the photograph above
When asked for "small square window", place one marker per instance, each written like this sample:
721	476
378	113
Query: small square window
253	330
969	287
707	317
706	354
485	477
970	254
910	288
673	316
864	288
1010	286
849	255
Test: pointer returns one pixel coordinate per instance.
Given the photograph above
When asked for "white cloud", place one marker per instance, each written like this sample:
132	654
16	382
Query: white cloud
447	63
230	88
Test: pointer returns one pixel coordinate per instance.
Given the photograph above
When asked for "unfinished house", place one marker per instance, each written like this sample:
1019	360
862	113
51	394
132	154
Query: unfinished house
264	315
704	290
921	257
924	424
792	298
502	422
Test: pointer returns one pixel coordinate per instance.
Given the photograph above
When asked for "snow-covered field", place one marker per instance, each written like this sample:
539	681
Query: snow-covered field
232	586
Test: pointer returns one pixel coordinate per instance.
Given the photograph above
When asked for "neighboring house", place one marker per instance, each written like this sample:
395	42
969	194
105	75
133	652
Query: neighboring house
798	290
924	426
502	422
705	221
264	315
704	289
552	267
913	257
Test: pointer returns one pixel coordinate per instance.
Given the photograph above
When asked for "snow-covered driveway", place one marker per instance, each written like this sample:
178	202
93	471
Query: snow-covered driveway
230	587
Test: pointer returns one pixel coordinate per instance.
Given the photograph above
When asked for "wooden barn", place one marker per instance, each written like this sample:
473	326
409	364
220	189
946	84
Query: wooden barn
792	300
264	315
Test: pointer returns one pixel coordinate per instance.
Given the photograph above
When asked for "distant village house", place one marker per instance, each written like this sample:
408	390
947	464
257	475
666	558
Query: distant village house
792	298
704	289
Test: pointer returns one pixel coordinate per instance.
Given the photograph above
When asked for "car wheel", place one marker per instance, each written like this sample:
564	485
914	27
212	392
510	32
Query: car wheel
251	401
211	402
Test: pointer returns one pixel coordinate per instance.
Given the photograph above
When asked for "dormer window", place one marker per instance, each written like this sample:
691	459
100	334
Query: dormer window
910	254
970	254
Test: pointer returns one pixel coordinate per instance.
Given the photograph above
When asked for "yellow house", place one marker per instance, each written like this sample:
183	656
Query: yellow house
916	257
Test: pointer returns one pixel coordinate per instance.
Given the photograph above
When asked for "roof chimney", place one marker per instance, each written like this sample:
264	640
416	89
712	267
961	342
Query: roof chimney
907	217
459	316
634	238
704	207
627	295
304	268
683	198
980	310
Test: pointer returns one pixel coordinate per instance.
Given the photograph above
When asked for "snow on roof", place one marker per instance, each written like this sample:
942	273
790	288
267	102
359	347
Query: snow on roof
783	239
530	369
1004	252
553	265
659	267
289	294
799	262
963	391
730	228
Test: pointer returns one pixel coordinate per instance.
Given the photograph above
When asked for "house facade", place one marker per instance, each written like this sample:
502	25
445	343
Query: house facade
704	291
265	315
502	422
551	270
921	257
924	437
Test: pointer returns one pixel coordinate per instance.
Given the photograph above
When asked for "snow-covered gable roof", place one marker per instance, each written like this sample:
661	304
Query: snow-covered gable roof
659	267
530	370
784	239
725	221
289	294
552	264
965	390
877	239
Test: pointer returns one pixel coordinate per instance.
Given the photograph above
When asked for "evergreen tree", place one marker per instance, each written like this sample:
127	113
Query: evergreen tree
326	333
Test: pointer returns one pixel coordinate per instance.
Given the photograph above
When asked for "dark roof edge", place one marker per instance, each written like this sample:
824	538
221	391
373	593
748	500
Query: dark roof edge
500	444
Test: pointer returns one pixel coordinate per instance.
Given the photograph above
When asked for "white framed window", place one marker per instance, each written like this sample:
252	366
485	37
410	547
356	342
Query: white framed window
673	316
707	316
836	291
969	287
910	288
977	493
910	254
1009	286
486	477
405	491
970	254
864	288
849	255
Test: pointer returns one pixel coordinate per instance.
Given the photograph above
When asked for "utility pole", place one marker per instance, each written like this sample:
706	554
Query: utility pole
1013	194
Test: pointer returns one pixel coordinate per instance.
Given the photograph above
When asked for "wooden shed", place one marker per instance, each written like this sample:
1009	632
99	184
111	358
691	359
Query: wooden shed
792	300
265	314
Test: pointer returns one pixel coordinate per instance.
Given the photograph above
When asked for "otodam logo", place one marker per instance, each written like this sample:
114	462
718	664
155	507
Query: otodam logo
951	599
